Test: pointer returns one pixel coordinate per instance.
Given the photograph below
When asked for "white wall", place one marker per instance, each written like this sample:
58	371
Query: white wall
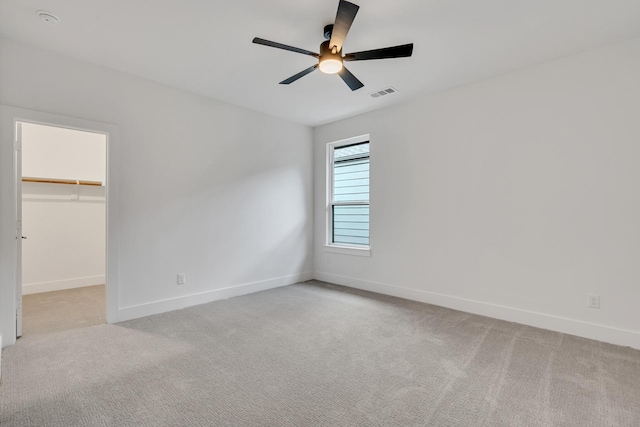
218	192
514	197
65	246
64	224
60	153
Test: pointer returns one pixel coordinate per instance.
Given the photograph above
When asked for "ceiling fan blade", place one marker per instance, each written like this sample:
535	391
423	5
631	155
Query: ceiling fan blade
387	52
258	40
351	80
300	74
344	18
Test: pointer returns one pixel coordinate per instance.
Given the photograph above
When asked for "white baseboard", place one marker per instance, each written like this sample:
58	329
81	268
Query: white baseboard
565	325
162	306
59	285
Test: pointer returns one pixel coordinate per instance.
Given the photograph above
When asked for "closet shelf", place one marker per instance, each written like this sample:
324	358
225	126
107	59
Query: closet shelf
62	181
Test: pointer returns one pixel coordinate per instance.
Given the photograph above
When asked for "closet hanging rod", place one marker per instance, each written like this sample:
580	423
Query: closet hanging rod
62	181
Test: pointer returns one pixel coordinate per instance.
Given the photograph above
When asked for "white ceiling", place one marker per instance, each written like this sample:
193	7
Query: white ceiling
204	46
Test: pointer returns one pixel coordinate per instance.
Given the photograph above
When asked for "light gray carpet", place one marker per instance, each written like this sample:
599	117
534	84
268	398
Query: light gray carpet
61	310
317	355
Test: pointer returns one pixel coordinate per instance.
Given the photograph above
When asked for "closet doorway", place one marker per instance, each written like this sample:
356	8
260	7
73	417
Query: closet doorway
63	211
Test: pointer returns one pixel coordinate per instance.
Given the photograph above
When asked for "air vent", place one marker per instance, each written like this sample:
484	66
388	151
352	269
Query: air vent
383	92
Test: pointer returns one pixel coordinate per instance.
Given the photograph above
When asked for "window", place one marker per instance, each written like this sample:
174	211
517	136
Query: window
348	216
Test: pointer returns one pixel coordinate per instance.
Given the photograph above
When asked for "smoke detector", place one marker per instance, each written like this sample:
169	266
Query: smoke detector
48	17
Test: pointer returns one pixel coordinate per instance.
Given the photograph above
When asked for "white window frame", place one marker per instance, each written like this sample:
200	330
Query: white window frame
341	248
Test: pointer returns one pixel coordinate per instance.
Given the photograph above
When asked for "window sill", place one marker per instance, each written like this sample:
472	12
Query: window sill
348	250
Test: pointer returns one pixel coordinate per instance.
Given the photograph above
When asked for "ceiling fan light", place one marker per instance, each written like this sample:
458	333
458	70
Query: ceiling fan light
330	65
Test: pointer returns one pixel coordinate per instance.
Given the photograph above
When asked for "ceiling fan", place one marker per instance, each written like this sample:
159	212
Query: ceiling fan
330	58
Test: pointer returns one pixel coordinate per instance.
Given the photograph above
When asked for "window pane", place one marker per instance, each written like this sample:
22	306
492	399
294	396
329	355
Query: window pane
351	240
342	220
355	210
351	151
351	184
351	173
342	170
351	225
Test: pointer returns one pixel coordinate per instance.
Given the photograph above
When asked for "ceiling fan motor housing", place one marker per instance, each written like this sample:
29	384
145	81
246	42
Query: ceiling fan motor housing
326	53
330	62
328	29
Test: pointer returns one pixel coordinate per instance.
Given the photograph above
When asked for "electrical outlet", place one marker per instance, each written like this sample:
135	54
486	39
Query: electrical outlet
593	301
182	278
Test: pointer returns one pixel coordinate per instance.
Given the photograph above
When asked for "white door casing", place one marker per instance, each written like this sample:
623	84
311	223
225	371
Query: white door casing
19	236
10	208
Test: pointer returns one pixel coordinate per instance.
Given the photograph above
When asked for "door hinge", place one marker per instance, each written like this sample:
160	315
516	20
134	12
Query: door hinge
17	145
